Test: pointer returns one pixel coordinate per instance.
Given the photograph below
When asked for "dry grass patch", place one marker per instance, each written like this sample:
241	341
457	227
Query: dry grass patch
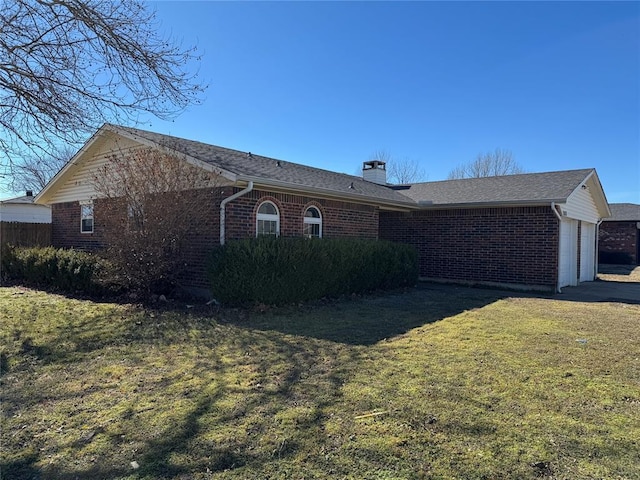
429	383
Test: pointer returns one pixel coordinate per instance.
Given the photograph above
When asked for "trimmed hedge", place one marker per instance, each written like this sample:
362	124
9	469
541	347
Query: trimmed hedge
67	270
278	271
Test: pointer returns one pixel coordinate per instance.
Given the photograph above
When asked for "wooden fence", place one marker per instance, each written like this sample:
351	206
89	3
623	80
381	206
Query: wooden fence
25	234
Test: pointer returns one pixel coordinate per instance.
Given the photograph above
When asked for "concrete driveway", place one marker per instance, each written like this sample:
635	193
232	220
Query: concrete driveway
615	283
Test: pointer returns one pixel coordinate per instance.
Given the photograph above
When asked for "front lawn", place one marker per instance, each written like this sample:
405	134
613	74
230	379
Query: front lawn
430	383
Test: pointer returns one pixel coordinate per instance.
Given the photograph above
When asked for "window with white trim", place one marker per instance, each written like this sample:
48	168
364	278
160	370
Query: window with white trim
268	219
312	227
86	218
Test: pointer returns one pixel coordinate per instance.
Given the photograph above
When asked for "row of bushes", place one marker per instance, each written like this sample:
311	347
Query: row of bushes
258	270
67	270
285	270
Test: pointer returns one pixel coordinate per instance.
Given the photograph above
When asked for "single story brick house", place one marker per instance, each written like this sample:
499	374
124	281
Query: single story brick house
530	231
619	237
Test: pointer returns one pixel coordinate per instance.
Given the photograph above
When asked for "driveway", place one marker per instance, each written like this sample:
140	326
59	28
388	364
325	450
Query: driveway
615	283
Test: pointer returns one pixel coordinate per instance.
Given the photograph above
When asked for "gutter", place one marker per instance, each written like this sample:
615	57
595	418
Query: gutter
223	204
329	193
597	252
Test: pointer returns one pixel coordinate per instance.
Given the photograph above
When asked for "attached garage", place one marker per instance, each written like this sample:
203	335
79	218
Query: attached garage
587	251
533	231
579	216
568	253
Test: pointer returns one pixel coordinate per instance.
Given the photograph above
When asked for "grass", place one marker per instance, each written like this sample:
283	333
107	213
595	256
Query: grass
428	383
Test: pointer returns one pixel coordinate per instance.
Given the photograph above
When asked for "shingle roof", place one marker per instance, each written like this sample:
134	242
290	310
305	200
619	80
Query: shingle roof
269	170
524	188
624	212
24	199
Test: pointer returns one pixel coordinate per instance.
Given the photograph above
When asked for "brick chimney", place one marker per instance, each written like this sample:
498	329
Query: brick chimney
375	171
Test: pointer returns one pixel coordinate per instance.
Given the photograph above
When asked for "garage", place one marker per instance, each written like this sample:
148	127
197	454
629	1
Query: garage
568	253
587	251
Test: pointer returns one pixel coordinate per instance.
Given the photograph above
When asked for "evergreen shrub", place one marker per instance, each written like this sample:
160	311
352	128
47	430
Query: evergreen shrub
278	271
63	269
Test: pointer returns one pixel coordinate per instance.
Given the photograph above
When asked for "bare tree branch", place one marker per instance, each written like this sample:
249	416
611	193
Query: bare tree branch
33	172
491	164
149	202
67	66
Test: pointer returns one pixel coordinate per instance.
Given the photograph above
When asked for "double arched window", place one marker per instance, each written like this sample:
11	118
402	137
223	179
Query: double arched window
312	227
268	219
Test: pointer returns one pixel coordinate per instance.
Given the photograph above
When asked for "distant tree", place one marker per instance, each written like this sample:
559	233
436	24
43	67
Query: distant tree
67	66
33	172
149	201
400	171
491	164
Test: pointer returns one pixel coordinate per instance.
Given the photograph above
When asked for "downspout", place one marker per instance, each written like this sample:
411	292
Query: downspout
555	210
597	252
223	204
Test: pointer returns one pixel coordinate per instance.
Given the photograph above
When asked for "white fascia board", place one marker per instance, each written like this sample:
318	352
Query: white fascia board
325	192
514	203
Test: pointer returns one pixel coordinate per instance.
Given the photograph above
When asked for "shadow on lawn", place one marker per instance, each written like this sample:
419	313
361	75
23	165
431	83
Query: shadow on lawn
369	319
299	358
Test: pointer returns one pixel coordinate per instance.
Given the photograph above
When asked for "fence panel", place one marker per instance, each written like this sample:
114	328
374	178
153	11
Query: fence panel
25	234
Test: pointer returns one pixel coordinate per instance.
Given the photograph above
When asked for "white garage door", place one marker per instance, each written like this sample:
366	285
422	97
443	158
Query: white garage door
587	251
568	261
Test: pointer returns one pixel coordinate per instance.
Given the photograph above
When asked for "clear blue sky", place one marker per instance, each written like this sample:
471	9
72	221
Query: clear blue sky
329	83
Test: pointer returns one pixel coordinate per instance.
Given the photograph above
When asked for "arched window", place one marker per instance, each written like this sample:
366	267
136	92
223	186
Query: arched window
312	227
268	219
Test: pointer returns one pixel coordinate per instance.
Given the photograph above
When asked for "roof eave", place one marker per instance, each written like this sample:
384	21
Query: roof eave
326	192
506	203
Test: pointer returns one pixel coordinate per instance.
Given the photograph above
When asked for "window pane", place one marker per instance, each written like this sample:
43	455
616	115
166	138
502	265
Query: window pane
87	224
311	230
267	227
86	218
312	212
268	208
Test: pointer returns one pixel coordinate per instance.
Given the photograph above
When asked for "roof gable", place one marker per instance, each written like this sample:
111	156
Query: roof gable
507	189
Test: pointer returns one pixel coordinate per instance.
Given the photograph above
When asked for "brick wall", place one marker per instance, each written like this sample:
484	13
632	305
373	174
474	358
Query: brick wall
618	243
65	227
516	245
339	219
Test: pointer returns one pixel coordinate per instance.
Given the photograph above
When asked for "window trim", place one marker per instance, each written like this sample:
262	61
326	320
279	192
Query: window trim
269	217
84	207
312	221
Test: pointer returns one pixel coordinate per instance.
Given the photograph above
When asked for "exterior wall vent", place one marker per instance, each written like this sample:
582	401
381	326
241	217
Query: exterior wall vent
374	171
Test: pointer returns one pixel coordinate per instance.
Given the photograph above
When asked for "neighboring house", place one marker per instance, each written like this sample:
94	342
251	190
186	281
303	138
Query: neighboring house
24	223
24	210
528	231
619	239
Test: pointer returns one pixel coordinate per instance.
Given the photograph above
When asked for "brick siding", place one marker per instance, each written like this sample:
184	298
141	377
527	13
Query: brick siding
517	245
65	227
339	219
618	242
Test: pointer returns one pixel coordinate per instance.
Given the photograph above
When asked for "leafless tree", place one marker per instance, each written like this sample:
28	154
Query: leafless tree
34	172
400	171
491	164
67	66
149	202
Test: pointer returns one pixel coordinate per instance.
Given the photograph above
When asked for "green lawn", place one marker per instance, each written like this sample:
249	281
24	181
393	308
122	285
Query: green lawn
429	383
